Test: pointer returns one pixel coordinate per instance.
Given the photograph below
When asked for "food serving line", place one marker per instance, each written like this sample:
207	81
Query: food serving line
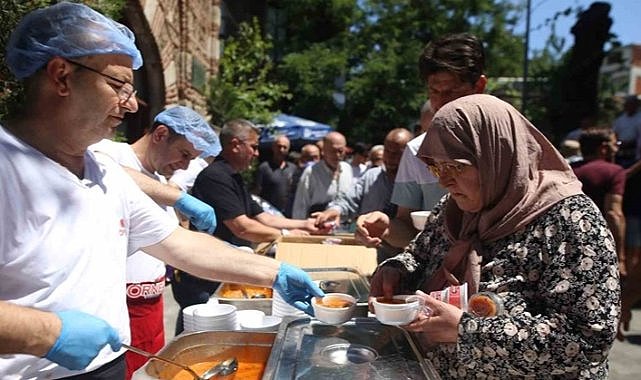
345	340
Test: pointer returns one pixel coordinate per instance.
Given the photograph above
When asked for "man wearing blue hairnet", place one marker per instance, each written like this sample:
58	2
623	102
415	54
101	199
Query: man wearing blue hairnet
177	135
70	217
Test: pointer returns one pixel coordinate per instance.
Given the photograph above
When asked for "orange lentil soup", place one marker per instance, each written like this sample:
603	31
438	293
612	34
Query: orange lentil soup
251	363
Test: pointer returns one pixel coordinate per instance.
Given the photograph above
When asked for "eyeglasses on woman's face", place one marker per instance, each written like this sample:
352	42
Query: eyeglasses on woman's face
124	90
445	168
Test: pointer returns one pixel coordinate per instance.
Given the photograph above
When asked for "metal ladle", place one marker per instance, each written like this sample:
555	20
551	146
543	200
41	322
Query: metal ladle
224	368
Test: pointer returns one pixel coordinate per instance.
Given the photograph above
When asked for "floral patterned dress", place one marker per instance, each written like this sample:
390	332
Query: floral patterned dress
559	282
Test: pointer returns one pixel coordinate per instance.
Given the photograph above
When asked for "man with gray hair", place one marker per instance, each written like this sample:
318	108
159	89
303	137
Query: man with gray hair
373	191
71	218
242	221
325	181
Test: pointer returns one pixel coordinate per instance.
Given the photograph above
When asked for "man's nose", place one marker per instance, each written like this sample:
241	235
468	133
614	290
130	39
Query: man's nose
131	105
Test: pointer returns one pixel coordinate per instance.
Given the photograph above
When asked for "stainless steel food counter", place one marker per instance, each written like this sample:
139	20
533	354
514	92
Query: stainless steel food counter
303	348
360	349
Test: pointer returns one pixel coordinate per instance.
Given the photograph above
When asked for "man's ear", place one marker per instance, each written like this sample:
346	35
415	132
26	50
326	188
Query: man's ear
480	84
235	142
161	133
603	149
58	70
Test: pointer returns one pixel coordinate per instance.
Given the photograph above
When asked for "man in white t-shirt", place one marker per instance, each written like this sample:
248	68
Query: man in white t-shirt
70	218
177	135
184	179
452	67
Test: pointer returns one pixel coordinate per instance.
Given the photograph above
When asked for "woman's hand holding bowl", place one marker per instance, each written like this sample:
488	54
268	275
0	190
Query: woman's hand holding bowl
441	324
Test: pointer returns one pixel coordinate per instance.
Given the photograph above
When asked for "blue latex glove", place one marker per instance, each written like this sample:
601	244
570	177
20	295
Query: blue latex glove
81	339
296	287
200	214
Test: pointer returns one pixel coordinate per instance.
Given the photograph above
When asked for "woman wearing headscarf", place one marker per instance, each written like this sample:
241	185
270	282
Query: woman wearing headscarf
515	223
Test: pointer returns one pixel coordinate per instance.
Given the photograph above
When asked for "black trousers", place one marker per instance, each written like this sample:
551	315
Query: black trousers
114	370
190	290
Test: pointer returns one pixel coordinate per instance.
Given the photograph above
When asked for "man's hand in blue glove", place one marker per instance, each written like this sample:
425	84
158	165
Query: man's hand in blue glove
200	214
296	287
81	338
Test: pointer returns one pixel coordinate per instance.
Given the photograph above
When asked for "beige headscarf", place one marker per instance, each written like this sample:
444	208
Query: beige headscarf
521	175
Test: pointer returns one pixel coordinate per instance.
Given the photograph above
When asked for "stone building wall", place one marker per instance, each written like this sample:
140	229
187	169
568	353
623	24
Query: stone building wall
186	35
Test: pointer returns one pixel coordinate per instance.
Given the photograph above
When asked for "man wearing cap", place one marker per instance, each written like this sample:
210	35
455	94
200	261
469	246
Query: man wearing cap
178	135
71	217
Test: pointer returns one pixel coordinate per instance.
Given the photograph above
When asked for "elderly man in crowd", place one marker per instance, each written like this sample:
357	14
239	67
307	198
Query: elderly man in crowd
309	155
70	218
274	177
373	190
324	181
177	135
376	156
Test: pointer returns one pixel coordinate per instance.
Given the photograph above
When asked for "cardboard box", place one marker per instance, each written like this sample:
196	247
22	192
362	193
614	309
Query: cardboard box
310	252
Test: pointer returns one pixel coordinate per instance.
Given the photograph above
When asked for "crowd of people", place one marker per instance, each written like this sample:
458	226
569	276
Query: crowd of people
83	253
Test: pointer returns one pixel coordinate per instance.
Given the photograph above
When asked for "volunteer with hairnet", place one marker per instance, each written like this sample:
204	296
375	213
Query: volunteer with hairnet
71	217
177	135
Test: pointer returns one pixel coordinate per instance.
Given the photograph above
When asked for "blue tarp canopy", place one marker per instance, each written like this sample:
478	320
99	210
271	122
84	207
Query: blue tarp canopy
299	131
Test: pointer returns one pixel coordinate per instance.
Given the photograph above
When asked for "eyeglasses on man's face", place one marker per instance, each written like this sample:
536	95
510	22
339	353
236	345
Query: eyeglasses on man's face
446	168
125	90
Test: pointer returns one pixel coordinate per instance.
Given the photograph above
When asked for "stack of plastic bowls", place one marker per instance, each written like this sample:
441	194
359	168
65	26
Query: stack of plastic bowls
280	308
203	317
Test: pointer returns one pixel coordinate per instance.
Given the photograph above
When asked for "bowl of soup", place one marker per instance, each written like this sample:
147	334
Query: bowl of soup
398	310
334	308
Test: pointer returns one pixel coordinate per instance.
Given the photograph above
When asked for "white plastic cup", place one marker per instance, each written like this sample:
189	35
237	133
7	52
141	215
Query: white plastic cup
419	218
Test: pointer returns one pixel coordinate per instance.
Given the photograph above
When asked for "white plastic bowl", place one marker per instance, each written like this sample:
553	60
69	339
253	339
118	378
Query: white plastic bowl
398	313
334	315
419	218
267	323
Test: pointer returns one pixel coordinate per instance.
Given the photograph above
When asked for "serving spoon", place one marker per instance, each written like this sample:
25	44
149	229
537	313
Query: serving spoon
224	368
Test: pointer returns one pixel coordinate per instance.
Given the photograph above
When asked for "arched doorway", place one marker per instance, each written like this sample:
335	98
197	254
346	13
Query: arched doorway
149	79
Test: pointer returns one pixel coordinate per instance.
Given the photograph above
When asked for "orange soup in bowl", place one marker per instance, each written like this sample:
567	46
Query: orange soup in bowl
333	302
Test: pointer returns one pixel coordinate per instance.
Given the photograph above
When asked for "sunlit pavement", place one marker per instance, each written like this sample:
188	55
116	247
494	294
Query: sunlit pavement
625	357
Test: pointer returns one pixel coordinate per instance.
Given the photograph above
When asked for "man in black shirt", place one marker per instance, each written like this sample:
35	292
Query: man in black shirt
241	221
274	177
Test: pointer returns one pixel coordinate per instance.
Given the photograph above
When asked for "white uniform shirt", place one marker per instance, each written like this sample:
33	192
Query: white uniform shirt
64	242
415	187
141	267
185	178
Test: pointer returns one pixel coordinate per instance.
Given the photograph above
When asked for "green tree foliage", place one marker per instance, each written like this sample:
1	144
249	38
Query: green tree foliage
378	42
243	87
11	11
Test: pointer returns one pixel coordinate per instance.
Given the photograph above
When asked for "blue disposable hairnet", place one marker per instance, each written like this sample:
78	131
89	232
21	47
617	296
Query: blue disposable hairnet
194	127
66	30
